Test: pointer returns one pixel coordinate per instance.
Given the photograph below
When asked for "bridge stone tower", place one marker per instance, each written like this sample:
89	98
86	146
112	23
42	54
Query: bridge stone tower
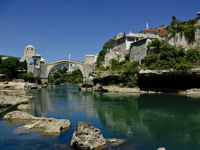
29	51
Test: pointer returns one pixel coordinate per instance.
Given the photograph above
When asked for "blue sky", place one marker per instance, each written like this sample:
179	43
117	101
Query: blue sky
59	27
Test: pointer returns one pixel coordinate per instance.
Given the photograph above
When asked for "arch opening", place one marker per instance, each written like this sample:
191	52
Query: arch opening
65	73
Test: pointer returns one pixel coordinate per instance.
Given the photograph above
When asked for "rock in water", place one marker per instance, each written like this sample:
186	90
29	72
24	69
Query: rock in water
49	126
161	148
46	126
18	115
87	137
23	107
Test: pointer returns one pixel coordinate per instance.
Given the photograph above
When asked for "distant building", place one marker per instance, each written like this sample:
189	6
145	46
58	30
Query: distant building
198	18
33	60
160	31
120	46
139	50
90	59
29	51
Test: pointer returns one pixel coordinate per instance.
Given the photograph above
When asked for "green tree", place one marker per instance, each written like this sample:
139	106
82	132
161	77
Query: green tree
102	53
193	55
129	75
51	80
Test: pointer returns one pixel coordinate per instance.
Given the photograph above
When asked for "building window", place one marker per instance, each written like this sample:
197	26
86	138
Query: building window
31	48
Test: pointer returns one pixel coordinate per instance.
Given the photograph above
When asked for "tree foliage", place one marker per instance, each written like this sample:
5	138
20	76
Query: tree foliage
102	53
11	67
172	57
61	77
129	74
186	28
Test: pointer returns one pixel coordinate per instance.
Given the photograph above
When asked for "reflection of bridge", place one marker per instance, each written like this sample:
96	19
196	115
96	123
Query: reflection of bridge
47	67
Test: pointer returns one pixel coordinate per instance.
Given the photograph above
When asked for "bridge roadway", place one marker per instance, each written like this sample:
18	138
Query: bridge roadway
46	68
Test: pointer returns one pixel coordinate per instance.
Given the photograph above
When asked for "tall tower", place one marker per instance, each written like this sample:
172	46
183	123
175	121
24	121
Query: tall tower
147	26
29	51
69	64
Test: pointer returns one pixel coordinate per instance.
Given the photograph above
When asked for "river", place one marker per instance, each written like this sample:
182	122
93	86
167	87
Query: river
146	121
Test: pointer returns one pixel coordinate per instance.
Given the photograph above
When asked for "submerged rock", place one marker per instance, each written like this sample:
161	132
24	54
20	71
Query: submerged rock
115	142
87	137
24	107
49	126
18	115
46	126
161	148
7	101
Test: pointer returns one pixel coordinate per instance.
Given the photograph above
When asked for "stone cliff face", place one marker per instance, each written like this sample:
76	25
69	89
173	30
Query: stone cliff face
181	41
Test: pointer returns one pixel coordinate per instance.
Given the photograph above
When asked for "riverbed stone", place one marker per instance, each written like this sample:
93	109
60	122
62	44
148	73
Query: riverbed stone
87	137
46	126
7	101
115	142
49	126
19	115
23	107
161	148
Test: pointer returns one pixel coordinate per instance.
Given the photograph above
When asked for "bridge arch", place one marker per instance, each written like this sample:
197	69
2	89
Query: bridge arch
50	66
47	67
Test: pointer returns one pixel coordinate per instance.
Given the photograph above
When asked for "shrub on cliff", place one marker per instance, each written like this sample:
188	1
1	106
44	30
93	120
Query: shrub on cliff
193	55
129	74
102	53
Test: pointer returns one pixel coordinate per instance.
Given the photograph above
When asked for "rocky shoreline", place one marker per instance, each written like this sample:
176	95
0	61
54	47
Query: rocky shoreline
192	92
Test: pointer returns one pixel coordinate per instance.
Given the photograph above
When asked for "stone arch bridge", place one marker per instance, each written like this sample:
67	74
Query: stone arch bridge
46	68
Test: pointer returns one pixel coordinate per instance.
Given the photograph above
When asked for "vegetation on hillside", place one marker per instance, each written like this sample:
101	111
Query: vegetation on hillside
102	53
172	57
185	28
12	68
61	77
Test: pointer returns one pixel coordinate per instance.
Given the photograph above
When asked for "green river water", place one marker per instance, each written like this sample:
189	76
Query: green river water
146	121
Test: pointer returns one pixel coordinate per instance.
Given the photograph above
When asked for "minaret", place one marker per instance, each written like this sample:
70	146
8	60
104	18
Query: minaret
147	26
69	64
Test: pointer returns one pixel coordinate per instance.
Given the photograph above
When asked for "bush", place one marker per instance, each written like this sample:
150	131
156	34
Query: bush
154	43
193	55
150	60
183	67
127	57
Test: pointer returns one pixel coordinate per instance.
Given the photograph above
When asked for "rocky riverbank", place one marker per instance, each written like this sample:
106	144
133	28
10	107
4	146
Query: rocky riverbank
193	92
12	94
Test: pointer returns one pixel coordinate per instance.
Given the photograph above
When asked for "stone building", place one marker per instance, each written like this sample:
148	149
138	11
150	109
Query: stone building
34	61
90	59
120	46
29	51
139	50
160	31
198	18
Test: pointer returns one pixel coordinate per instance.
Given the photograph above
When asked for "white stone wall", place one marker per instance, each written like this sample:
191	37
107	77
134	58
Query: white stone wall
139	50
29	51
90	59
117	53
181	41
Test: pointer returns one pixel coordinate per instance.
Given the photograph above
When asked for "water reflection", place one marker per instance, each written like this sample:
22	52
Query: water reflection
167	120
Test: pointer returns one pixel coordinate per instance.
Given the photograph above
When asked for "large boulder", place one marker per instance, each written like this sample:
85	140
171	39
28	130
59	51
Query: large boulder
46	126
18	115
8	101
23	107
49	126
87	137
